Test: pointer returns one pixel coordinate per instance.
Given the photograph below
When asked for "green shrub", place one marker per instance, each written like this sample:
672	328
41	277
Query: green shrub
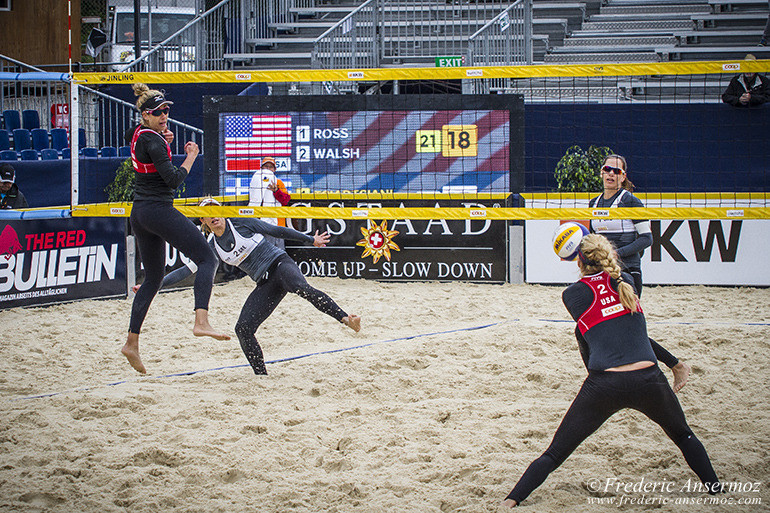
578	169
122	187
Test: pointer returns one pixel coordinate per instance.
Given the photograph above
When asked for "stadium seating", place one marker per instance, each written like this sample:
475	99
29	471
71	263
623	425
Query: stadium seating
5	140
40	139
654	30
89	152
9	155
12	119
124	151
29	154
49	154
108	151
82	143
59	139
30	119
66	153
22	140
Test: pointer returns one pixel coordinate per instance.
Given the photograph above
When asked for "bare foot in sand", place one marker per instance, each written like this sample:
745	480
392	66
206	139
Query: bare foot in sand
131	351
353	322
508	503
681	374
202	328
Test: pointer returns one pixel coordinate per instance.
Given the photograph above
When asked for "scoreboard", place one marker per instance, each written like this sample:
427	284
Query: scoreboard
406	144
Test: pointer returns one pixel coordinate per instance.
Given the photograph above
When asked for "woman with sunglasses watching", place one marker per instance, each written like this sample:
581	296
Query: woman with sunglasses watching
155	221
630	238
622	371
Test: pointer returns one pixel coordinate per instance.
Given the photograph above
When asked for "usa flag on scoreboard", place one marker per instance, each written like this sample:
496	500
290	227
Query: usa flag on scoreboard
247	138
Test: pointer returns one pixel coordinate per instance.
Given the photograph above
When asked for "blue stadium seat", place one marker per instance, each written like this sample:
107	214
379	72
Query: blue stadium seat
66	152
59	139
12	119
30	119
124	151
40	139
5	140
109	151
49	154
29	154
9	155
90	152
82	143
21	139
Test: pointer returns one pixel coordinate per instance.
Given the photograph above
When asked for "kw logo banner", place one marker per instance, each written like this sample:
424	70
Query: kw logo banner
692	252
56	260
404	249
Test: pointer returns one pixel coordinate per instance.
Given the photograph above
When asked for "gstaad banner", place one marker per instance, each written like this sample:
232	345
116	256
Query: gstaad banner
404	249
55	260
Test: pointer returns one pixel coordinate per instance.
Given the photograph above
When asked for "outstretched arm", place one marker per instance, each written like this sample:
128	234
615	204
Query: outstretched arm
280	232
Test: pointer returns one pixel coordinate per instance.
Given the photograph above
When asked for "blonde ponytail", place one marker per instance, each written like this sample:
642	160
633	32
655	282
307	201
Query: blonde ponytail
144	93
598	255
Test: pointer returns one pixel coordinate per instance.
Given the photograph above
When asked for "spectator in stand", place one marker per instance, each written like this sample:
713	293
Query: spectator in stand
10	195
747	89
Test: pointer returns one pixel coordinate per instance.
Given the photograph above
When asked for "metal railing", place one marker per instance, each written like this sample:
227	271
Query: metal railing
506	40
106	120
40	96
388	32
262	17
354	42
199	45
103	118
420	30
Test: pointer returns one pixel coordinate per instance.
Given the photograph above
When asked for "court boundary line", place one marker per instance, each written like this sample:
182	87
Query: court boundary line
343	349
279	360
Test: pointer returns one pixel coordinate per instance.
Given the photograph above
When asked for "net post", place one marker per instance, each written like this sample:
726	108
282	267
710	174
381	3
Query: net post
74	142
515	253
130	265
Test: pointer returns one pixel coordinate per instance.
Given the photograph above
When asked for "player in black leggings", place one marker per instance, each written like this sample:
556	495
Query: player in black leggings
622	371
241	242
155	221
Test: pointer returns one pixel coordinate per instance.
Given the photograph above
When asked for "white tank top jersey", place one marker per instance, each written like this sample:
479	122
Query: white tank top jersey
604	226
242	248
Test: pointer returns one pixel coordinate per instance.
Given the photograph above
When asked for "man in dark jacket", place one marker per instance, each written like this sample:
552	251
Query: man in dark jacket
747	89
10	195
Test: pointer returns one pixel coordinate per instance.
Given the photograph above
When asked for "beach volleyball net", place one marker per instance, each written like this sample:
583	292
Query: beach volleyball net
509	143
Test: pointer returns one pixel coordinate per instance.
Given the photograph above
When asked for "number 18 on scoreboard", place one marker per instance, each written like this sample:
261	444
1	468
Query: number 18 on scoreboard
450	141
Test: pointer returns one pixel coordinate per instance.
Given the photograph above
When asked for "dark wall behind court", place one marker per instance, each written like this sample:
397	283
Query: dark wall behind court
670	148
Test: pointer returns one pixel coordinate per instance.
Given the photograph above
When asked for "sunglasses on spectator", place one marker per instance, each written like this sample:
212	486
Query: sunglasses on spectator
159	112
610	169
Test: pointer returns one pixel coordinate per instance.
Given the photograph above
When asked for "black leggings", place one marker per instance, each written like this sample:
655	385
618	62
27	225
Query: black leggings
604	393
284	276
154	223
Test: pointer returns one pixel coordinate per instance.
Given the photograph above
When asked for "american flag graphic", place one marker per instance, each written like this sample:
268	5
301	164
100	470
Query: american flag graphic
247	138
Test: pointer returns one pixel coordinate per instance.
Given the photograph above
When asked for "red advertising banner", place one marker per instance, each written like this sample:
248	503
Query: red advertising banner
47	261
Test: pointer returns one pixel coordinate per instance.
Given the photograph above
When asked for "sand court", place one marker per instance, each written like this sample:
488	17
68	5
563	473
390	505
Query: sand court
438	404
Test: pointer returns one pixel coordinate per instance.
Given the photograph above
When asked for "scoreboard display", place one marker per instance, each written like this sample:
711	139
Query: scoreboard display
401	144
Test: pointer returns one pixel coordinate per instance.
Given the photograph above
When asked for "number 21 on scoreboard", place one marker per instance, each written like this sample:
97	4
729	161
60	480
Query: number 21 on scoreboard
451	141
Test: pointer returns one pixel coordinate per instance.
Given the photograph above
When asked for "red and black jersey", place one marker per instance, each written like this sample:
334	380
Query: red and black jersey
613	335
156	176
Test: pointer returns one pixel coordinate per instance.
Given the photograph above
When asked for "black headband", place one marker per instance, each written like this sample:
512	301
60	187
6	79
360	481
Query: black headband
155	101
